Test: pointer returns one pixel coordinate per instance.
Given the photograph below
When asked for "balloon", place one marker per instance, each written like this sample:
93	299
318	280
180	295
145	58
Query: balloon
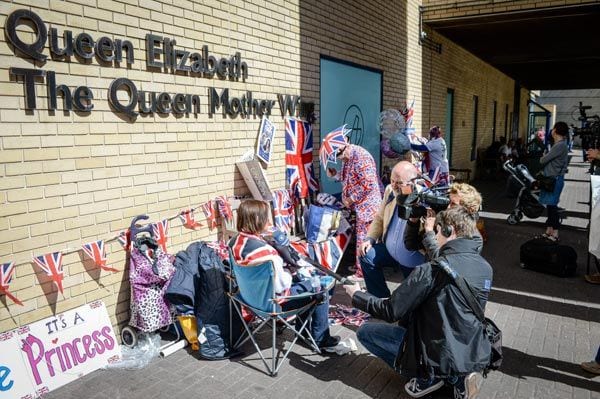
399	143
387	151
390	121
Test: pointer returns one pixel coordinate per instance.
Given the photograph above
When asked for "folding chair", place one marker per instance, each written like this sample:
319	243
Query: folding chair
255	292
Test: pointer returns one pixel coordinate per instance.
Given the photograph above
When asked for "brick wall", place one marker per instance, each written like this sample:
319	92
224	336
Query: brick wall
67	178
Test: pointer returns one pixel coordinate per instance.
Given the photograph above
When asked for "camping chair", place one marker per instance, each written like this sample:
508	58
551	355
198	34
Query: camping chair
255	293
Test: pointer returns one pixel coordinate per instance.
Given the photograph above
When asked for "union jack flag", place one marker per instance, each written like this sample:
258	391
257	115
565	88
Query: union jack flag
160	232
283	209
97	252
224	208
124	239
209	212
188	220
52	264
298	158
7	271
331	144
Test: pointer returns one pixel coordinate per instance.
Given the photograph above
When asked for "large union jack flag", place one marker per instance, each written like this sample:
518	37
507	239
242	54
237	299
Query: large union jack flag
97	251
188	220
160	232
283	210
7	271
298	158
52	264
332	142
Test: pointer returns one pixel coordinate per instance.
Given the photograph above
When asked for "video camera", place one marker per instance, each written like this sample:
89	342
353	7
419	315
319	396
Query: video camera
415	204
590	131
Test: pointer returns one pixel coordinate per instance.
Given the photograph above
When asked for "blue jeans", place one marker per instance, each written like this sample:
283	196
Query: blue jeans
382	340
319	325
598	356
372	264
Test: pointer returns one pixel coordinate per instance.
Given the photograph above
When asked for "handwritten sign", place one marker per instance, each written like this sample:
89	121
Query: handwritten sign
50	353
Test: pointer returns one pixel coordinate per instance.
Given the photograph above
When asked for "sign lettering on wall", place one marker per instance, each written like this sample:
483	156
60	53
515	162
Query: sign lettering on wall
162	55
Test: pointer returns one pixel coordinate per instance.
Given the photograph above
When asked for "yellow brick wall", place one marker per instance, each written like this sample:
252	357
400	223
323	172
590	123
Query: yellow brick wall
67	178
455	68
441	9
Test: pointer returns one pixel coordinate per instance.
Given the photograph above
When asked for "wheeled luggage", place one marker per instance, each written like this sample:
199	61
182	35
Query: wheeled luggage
545	256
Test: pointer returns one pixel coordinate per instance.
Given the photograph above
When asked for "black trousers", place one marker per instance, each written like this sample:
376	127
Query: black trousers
553	219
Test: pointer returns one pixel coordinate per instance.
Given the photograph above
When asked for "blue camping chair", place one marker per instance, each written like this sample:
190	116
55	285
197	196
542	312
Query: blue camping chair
255	291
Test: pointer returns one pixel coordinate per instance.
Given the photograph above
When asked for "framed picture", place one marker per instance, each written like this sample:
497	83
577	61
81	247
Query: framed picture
264	145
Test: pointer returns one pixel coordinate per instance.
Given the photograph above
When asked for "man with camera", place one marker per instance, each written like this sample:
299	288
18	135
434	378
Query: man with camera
415	238
384	244
444	341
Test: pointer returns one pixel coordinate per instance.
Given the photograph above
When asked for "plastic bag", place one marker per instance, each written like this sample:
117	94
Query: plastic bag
147	348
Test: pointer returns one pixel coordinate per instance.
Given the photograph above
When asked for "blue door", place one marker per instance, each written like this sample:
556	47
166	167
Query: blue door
351	95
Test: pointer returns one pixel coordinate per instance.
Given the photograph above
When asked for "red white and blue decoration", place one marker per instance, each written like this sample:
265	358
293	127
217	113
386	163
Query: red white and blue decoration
7	271
332	143
188	220
97	251
209	212
283	210
160	232
298	158
51	264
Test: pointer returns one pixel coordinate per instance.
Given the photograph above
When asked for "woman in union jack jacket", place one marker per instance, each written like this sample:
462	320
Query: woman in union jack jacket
250	248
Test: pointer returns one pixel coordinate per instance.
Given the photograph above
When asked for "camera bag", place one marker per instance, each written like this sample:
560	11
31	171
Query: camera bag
545	256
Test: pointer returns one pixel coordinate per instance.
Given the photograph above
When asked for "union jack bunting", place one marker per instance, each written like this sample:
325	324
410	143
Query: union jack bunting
283	210
209	212
224	207
160	232
97	252
188	220
298	158
7	271
124	239
332	142
52	265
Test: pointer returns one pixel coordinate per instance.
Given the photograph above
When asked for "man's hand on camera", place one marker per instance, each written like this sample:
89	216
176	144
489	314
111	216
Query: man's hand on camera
365	247
429	222
351	289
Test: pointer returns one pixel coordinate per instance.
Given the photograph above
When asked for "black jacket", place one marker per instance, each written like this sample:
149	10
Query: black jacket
444	337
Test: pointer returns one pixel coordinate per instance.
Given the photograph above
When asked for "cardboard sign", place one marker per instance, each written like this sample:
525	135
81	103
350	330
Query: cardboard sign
255	179
50	353
264	146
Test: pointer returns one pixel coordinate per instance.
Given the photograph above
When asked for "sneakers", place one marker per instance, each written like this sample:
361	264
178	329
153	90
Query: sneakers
469	387
418	387
355	278
330	342
591	367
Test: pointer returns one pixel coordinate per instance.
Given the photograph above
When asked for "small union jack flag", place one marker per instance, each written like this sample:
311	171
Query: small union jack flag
188	220
97	252
209	212
7	271
160	233
52	264
224	207
332	142
124	239
283	210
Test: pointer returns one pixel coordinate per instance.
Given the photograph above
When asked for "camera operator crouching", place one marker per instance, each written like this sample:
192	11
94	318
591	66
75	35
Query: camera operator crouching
443	341
419	233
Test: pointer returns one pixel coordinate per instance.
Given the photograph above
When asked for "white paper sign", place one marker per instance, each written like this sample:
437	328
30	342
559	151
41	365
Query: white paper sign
50	353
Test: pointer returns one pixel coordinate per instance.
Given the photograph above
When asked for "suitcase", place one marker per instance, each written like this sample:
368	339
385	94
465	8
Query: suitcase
549	257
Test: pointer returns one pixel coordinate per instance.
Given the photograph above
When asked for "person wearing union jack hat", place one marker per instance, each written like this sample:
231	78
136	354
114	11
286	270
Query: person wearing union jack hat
361	187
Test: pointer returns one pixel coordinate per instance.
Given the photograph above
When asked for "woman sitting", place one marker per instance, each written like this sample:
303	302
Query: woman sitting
249	248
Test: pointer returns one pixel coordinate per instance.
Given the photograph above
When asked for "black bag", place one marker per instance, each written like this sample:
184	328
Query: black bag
546	183
543	255
492	332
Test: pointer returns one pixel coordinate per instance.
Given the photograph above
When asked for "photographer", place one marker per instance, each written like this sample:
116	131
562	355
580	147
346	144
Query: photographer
460	194
444	339
384	244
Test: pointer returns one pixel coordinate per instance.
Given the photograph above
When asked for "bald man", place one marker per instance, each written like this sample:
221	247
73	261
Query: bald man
384	244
